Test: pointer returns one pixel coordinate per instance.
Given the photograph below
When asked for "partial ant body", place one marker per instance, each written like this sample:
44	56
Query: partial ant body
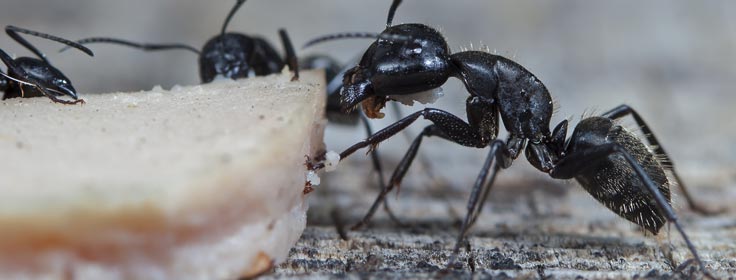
333	77
32	77
227	55
611	163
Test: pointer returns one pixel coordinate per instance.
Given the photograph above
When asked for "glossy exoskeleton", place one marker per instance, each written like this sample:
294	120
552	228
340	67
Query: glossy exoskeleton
228	55
611	163
32	77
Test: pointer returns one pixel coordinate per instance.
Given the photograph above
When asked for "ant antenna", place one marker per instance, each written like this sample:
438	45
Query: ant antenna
230	15
143	46
351	35
345	35
391	12
13	31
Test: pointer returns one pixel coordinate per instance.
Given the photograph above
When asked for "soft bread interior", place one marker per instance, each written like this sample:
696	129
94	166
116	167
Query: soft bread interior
161	180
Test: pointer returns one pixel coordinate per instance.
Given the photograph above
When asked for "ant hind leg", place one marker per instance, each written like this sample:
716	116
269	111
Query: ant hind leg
624	110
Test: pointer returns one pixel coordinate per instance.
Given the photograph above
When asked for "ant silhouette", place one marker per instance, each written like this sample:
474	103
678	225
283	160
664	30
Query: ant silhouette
32	77
610	163
228	55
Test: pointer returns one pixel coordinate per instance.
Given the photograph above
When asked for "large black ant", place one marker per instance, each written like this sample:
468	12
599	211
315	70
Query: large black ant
611	163
32	77
229	55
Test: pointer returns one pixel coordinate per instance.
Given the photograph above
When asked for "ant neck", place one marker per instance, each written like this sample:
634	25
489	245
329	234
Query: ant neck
545	153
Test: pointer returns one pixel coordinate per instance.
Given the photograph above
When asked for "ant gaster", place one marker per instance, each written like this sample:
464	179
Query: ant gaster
229	55
611	163
32	77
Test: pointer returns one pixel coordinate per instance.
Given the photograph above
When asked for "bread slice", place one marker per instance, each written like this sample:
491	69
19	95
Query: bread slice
199	182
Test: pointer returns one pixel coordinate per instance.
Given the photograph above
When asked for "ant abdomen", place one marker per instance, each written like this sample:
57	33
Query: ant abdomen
612	181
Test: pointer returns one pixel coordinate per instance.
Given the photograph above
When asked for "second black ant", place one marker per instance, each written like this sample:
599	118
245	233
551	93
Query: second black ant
611	163
228	55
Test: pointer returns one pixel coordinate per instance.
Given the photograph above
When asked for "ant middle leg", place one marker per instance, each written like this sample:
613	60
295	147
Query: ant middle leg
624	110
498	155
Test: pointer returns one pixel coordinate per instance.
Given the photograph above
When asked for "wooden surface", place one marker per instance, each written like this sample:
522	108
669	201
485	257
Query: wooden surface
531	227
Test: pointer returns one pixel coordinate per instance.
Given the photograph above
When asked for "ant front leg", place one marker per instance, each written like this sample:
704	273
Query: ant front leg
445	125
290	58
383	134
456	130
572	164
623	110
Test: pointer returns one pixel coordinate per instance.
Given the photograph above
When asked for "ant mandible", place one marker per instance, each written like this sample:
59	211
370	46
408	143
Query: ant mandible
611	163
32	77
228	55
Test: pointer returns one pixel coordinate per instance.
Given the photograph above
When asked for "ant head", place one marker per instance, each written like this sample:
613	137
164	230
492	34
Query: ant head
544	152
227	56
406	59
62	85
46	76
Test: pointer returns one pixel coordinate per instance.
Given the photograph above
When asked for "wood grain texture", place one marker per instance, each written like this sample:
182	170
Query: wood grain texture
531	227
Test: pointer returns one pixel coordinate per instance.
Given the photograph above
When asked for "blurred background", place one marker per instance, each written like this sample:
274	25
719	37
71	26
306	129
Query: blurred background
673	61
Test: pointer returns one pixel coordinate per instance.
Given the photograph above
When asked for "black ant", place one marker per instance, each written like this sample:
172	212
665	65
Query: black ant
611	163
32	77
229	55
